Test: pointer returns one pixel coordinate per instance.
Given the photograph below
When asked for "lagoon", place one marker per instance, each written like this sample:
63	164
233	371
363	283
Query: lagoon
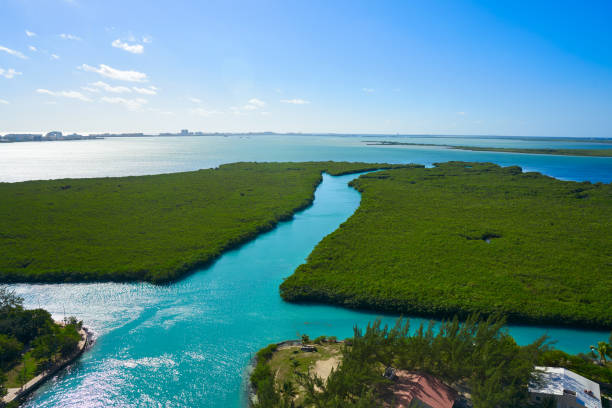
187	344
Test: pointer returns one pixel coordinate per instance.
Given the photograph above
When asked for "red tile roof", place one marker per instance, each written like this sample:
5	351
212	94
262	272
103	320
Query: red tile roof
426	388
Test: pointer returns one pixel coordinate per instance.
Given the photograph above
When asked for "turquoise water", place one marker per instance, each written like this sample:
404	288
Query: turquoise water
187	344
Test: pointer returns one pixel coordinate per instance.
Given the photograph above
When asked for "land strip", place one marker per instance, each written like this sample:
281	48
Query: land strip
148	228
462	238
557	152
18	394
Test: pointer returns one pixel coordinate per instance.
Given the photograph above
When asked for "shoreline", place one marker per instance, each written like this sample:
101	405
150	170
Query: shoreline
191	266
19	394
549	152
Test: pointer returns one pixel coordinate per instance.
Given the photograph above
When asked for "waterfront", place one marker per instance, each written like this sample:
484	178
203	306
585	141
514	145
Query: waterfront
154	155
187	344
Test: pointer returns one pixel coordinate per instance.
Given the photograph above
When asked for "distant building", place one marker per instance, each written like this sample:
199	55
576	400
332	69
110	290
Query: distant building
55	135
185	132
567	388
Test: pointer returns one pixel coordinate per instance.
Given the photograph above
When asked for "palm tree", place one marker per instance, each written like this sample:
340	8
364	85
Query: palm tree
603	349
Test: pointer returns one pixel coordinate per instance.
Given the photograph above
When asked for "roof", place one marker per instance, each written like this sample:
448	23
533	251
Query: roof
425	388
556	381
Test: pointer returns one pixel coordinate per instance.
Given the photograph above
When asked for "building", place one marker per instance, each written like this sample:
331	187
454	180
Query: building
55	135
567	388
185	132
421	390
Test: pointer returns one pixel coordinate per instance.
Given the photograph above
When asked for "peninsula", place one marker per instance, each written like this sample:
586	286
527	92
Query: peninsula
469	237
558	152
148	228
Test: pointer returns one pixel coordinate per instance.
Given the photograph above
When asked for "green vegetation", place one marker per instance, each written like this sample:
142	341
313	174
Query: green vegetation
153	228
477	356
30	341
558	152
461	238
279	370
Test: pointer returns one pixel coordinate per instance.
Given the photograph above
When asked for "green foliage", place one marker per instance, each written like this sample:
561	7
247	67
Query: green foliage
262	379
462	238
320	340
154	228
581	364
602	350
10	349
34	330
478	353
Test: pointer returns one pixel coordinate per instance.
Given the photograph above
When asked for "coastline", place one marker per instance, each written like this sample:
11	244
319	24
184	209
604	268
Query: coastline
190	262
19	394
549	152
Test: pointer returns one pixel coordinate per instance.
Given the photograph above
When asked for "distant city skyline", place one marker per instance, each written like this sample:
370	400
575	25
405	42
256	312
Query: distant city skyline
352	67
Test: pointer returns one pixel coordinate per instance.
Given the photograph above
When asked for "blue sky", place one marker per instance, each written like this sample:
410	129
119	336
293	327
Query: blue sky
439	67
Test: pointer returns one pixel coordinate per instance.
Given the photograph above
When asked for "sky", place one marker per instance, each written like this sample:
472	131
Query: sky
525	68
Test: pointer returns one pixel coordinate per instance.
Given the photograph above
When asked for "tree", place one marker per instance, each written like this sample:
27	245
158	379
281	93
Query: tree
602	350
9	300
10	350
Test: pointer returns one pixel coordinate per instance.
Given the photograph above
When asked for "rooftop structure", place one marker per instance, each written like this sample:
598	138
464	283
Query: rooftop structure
566	387
422	389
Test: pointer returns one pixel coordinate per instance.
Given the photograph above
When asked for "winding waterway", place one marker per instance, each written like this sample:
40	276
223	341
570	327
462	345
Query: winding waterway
187	344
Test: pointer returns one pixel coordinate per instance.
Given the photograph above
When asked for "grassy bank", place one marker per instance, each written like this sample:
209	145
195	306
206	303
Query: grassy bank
469	237
558	152
153	228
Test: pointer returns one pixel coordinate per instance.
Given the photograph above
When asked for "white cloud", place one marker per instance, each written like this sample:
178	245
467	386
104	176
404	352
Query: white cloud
461	113
30	33
254	104
295	101
134	49
12	52
8	73
90	89
32	48
195	100
54	56
65	94
203	112
70	37
109	72
4	102
147	39
109	88
130	104
145	91
368	90
257	102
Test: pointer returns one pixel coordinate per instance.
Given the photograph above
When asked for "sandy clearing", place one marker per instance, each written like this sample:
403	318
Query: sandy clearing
323	368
